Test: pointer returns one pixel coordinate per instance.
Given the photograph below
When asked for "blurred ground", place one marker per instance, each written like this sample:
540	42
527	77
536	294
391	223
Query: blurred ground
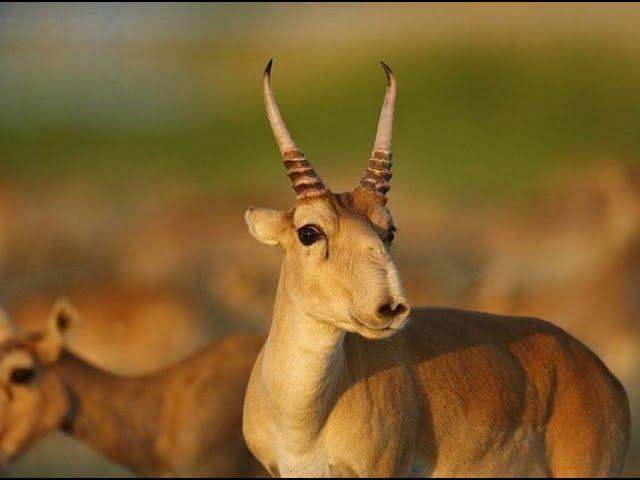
133	138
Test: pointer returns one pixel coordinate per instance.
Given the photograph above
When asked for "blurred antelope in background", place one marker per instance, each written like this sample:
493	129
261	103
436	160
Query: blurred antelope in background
576	261
184	420
125	330
352	382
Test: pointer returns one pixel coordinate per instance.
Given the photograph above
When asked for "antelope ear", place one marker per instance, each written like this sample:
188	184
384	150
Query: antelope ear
266	225
63	319
7	329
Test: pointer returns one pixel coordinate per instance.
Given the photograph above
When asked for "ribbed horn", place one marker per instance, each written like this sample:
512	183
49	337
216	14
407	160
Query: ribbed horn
378	172
304	179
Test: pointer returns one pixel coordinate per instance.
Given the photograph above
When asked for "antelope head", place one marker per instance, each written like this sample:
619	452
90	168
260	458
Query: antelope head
337	245
32	400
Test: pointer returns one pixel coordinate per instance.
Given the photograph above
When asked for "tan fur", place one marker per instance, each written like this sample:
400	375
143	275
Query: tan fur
184	420
582	272
441	392
125	330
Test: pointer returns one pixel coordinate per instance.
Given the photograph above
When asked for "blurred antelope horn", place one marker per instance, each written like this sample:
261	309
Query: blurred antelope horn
378	172
304	179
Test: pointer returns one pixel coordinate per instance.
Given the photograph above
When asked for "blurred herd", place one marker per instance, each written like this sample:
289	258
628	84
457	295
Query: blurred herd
132	141
187	273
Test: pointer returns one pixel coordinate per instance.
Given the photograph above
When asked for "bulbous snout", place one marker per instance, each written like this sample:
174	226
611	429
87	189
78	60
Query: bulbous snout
392	313
392	309
383	307
389	317
395	307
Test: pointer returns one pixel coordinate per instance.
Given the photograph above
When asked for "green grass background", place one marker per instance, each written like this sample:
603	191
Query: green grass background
479	117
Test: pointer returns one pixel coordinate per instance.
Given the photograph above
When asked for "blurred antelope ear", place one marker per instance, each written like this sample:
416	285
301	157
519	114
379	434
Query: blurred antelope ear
62	320
7	330
266	225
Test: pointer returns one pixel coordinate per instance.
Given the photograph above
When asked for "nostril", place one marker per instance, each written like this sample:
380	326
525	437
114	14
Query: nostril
400	309
387	310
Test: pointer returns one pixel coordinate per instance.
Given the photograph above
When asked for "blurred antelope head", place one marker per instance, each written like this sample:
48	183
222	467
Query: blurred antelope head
337	246
32	400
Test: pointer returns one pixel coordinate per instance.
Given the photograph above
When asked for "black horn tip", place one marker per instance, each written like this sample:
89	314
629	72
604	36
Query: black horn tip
387	70
267	71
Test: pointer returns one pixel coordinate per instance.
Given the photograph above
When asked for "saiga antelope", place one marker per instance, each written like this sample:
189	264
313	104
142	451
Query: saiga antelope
349	382
125	330
184	420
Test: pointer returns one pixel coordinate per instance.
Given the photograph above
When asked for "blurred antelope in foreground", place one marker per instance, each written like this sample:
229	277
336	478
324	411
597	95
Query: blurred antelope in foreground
350	382
184	420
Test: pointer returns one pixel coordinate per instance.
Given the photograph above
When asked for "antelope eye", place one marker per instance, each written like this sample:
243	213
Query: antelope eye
22	375
309	234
